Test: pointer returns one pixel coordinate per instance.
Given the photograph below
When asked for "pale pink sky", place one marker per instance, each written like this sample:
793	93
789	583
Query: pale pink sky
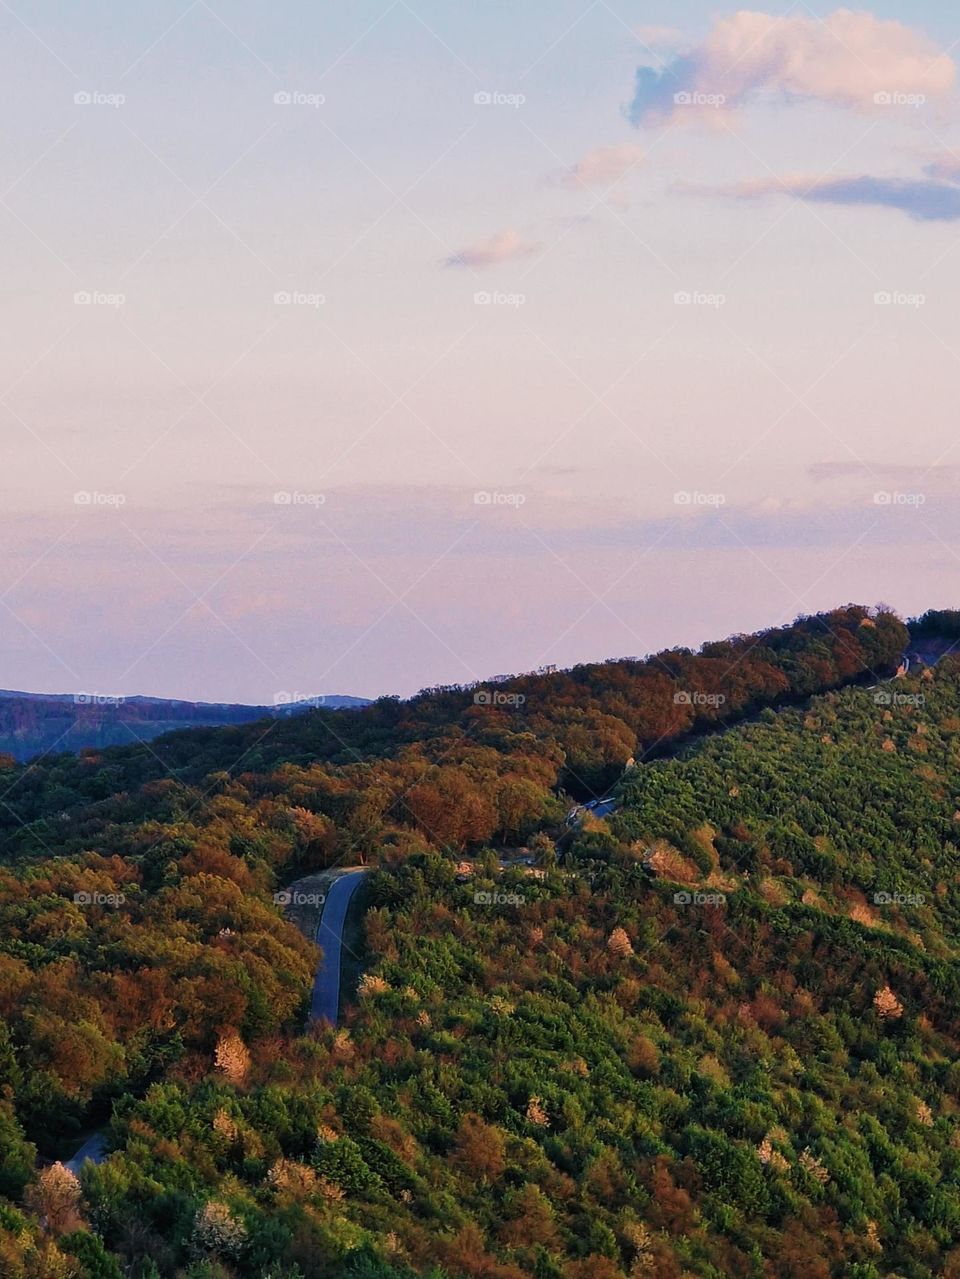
423	345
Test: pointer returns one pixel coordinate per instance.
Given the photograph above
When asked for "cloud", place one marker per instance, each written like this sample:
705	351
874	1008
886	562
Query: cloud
502	247
926	199
944	169
603	167
846	59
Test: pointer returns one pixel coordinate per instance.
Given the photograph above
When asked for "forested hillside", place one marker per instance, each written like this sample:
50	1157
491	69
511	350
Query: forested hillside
570	1072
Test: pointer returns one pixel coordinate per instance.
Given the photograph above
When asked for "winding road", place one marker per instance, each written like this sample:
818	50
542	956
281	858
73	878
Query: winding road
325	1001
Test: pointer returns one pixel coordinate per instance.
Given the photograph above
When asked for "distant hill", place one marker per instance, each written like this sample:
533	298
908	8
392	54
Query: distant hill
33	724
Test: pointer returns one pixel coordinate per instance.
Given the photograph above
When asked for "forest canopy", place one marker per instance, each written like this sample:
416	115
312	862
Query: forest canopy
710	1034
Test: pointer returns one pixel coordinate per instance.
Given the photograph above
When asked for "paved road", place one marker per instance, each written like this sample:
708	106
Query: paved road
94	1149
325	1003
596	808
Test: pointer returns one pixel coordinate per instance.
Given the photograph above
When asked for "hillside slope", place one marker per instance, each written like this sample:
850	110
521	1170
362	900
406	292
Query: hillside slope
561	1071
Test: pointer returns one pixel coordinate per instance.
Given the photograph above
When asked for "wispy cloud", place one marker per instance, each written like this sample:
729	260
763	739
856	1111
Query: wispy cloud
848	59
502	247
925	199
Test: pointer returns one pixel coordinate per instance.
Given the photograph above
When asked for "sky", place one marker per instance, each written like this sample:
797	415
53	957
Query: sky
361	348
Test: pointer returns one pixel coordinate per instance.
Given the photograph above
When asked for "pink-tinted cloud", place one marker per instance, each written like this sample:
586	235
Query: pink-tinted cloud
602	167
849	59
502	247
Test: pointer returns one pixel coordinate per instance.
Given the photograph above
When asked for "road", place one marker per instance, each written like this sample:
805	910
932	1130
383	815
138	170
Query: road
596	808
325	1002
94	1149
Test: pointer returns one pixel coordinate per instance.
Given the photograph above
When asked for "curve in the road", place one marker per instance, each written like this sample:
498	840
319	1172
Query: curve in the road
94	1149
325	1001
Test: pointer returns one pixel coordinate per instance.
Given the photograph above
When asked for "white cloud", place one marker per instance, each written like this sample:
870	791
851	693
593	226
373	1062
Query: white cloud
846	59
502	247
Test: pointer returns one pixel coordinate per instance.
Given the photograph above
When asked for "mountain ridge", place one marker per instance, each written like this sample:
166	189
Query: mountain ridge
33	724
